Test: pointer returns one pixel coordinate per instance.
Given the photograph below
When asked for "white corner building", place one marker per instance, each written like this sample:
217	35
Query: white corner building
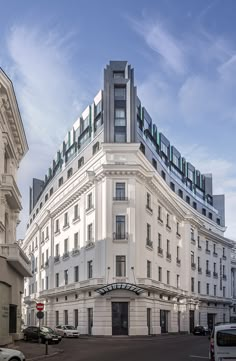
14	265
125	236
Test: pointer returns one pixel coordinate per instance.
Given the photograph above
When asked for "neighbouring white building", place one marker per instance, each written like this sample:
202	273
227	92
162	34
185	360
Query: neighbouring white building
125	236
14	264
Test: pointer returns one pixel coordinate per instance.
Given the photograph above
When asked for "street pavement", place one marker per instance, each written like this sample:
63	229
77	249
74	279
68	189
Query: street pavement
160	348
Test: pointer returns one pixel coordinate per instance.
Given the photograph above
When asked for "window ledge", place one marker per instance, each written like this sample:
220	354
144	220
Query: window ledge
57	233
66	227
89	210
75	220
160	221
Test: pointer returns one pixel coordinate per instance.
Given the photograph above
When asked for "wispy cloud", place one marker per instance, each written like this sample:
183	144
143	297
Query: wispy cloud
170	50
198	92
49	95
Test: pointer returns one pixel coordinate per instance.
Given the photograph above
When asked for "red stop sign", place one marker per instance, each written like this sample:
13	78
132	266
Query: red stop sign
40	306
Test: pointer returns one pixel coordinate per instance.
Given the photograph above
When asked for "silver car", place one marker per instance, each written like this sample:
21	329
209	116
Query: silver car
66	331
7	354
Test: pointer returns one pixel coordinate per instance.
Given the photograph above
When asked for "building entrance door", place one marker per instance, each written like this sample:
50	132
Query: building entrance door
120	318
191	321
164	321
149	320
12	318
90	320
210	320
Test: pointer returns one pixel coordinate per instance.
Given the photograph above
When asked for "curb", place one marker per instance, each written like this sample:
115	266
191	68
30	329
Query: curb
44	356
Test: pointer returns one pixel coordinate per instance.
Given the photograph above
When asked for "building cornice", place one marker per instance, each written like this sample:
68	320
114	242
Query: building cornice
10	110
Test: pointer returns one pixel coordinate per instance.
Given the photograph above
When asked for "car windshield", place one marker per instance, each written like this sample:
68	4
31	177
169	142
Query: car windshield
226	338
47	329
70	327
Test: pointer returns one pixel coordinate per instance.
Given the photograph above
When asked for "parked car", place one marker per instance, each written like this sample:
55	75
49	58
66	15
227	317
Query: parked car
45	333
200	330
66	331
223	342
7	354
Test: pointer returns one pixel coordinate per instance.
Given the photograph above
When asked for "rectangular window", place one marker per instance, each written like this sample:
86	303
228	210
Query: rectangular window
90	232
199	287
177	253
120	266
120	134
46	282
188	199
57	279
118	74
89	201
90	269
120	191
65	245
159	213
207	288
80	162
76	274
168	246
120	93
66	223
223	291
148	232
120	227
120	118
207	245
66	276
57	317
214	290
192	258
95	148
168	277
159	274
159	241
148	201
192	284
76	211
65	317
47	255
57	226
168	220
76	240
172	186
154	163
57	250
148	269
42	265
69	173
207	265
60	182
51	191
177	281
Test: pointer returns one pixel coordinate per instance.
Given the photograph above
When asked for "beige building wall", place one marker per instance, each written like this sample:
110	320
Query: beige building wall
14	265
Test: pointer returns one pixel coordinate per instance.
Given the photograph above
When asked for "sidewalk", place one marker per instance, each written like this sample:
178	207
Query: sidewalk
35	351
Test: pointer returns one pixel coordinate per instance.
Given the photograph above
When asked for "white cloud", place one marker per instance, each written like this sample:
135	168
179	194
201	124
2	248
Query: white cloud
47	93
203	94
171	50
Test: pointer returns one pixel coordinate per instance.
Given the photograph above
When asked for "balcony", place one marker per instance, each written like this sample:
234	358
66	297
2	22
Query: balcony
57	259
65	255
193	265
16	258
178	261
90	243
168	256
215	274
75	251
199	269
149	243
160	251
208	273
11	191
120	236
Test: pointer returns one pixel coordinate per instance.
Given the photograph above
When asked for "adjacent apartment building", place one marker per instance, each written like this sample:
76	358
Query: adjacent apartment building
125	235
14	264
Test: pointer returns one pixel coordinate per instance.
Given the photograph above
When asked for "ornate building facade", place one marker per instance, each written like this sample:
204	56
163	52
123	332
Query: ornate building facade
125	235
14	264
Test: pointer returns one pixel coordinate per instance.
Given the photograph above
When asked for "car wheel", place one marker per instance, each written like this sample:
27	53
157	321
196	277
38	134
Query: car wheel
14	359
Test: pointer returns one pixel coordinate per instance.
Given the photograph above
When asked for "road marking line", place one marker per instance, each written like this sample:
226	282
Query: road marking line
199	356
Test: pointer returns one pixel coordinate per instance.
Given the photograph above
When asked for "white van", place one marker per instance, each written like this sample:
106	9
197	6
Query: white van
223	343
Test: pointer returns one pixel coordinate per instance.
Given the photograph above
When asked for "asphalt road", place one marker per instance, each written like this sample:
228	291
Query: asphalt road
160	348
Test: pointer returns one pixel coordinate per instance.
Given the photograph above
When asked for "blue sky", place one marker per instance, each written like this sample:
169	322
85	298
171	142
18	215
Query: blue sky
184	56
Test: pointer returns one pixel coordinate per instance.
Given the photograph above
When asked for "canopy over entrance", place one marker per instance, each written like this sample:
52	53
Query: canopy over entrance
120	286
